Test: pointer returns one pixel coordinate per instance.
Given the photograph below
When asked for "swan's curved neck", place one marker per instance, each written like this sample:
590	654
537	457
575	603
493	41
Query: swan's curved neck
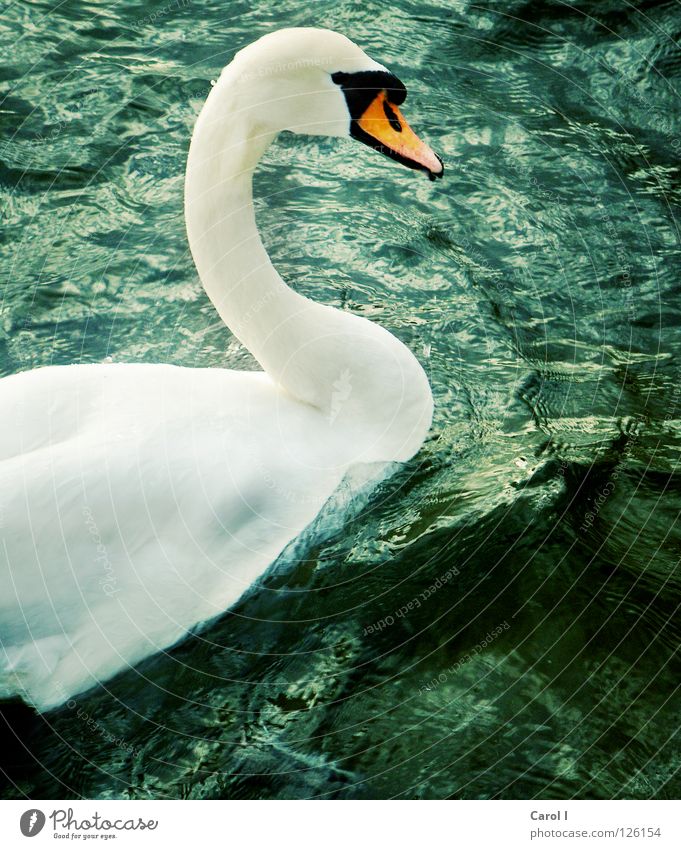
230	257
312	351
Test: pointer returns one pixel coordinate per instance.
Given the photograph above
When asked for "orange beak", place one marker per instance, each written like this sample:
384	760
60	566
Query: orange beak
387	131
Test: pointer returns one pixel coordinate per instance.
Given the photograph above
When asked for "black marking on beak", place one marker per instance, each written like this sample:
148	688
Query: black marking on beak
362	87
433	177
392	118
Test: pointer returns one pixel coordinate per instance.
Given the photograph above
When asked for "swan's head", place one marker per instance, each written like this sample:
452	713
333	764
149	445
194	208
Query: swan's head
318	82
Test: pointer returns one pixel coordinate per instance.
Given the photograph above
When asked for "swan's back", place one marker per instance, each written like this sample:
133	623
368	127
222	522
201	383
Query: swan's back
138	501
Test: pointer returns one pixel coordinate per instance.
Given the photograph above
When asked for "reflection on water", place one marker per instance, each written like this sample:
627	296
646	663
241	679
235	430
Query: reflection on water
501	619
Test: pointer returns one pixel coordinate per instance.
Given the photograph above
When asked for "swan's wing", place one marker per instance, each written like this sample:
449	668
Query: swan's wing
136	502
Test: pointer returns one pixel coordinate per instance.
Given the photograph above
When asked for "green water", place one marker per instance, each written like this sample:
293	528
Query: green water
502	619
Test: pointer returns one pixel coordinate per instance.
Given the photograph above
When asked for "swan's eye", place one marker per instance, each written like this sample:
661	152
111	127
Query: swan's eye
373	98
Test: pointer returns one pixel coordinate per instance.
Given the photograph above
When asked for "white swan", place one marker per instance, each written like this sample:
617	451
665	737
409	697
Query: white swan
139	500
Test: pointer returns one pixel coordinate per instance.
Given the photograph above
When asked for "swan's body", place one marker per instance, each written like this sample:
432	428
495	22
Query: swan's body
137	501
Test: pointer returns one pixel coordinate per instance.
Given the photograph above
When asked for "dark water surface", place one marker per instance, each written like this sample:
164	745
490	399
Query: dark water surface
502	620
